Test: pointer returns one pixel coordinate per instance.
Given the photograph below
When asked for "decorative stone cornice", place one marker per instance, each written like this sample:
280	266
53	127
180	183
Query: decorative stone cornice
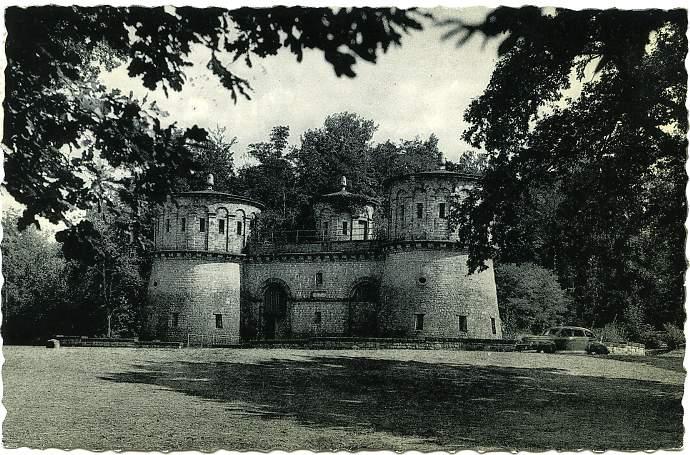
317	256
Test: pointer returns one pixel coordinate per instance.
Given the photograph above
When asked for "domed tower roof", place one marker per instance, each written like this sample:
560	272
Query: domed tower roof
218	195
344	195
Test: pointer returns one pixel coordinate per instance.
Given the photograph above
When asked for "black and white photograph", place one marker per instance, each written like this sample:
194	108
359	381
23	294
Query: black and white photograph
372	227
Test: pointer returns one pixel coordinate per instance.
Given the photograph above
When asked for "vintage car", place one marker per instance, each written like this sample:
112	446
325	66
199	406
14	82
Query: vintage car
563	338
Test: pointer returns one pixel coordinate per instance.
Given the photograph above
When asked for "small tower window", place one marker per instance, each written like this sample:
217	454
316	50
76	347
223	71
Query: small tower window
344	227
174	319
442	210
167	225
183	224
420	210
239	228
493	326
317	317
221	226
318	279
219	321
402	213
462	323
202	224
419	322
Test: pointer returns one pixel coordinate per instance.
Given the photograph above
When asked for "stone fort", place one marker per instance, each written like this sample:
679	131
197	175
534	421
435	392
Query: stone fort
388	268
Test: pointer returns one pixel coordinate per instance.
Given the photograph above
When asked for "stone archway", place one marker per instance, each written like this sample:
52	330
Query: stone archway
363	308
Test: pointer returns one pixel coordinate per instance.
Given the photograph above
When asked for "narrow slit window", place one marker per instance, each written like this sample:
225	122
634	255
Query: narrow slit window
419	322
174	319
344	227
442	210
420	210
221	226
219	321
202	224
402	213
462	323
239	228
493	326
319	279
167	225
183	224
317	317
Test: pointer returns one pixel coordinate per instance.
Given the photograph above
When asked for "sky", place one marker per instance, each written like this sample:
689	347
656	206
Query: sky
417	89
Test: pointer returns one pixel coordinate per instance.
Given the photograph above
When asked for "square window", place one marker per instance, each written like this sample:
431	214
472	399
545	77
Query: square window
183	224
419	322
174	319
219	321
344	227
317	317
493	326
319	279
202	224
420	210
221	226
442	210
239	228
462	323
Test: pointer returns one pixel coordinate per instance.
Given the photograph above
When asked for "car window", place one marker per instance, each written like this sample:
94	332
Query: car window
553	331
566	332
589	334
578	333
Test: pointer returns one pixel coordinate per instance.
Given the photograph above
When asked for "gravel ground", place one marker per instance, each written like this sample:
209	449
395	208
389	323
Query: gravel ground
256	399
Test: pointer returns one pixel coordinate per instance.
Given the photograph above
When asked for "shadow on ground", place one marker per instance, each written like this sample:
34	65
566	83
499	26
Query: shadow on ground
658	361
456	406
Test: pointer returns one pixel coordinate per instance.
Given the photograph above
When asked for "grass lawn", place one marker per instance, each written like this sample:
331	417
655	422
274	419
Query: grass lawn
253	399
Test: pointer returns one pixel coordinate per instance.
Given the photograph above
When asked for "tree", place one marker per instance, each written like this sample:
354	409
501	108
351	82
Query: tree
273	182
212	156
572	183
108	268
530	298
34	287
60	120
341	147
391	159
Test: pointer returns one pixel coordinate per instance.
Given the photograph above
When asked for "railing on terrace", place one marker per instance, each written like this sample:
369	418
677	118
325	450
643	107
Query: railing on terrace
309	241
312	236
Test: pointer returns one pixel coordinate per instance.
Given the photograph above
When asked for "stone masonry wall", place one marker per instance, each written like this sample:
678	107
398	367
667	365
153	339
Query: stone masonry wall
340	274
434	283
418	206
178	227
185	295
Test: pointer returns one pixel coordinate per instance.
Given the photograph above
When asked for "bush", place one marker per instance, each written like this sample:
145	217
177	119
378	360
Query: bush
529	298
654	339
614	332
674	335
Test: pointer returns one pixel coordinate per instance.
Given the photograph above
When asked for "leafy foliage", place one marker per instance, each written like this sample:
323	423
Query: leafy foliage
530	298
60	121
575	183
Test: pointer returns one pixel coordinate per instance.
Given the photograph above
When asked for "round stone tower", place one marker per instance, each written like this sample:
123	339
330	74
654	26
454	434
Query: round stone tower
425	287
194	288
344	216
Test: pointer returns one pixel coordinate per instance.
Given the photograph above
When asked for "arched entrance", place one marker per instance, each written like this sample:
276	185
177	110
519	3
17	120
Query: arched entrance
275	310
363	314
